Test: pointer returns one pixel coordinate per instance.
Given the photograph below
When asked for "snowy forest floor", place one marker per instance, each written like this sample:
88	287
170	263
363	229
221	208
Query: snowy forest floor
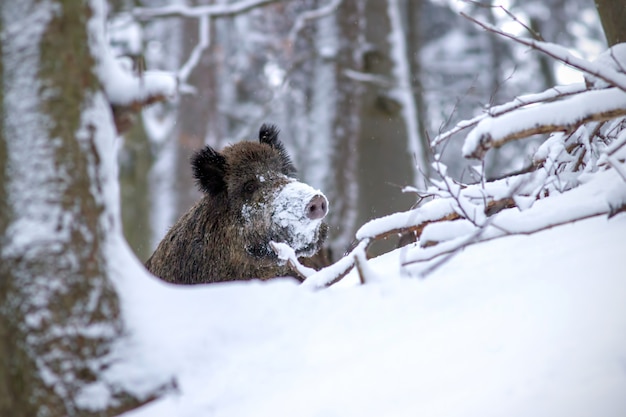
516	326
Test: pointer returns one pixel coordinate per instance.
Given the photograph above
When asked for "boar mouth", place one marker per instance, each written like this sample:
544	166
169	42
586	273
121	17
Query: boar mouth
312	247
285	235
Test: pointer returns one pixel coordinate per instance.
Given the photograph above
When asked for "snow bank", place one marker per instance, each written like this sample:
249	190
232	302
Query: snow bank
524	325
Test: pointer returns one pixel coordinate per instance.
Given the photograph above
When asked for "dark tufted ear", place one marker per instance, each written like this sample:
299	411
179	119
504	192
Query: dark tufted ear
209	168
268	134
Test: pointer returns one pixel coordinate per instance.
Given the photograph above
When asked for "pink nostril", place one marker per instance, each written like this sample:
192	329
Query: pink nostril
317	207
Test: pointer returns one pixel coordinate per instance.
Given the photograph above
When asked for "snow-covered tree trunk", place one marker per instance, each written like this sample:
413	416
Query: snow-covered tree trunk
59	309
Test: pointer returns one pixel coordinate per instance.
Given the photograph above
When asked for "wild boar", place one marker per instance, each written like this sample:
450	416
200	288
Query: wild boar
250	198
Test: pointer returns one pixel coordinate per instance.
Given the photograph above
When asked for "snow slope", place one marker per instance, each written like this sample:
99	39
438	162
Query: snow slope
517	326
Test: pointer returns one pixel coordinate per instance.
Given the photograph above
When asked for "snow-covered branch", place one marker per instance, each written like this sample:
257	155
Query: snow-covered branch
583	202
335	272
288	254
565	115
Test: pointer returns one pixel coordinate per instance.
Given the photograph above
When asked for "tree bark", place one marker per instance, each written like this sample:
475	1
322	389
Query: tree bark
613	15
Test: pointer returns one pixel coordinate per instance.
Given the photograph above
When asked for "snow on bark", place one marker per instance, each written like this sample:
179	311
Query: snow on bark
333	273
35	221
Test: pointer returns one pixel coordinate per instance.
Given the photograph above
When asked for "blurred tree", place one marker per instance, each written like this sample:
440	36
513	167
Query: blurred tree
385	163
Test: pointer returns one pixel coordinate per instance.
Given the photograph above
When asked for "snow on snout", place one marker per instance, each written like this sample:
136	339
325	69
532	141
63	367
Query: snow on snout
289	211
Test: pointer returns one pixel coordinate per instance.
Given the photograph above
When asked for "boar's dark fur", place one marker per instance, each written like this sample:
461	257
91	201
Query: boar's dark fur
214	241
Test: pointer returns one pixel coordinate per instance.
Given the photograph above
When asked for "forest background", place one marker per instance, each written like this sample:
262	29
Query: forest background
358	89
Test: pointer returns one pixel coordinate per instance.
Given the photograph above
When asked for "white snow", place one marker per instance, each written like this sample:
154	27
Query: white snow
525	325
441	231
614	59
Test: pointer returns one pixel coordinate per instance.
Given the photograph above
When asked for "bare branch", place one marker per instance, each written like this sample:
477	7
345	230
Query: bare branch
309	15
548	95
213	10
530	30
204	33
609	75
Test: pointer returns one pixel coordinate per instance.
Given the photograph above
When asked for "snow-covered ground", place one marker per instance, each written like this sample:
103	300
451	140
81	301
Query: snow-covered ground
517	326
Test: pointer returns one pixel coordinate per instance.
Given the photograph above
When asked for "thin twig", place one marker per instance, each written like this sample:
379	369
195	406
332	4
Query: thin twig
557	52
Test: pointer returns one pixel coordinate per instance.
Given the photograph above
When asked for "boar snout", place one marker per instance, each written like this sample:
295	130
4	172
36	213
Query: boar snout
317	207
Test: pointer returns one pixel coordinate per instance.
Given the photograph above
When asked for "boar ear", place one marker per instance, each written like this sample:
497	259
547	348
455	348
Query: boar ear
268	134
209	168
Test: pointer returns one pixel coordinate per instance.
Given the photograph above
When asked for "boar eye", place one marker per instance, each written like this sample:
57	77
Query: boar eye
250	187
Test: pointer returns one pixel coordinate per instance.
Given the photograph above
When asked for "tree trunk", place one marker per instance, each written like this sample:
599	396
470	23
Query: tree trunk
415	43
59	310
135	165
343	187
385	164
613	15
